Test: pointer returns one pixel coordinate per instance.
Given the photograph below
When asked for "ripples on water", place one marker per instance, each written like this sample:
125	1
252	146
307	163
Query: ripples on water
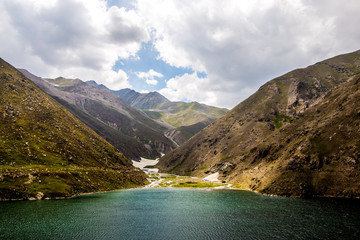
180	214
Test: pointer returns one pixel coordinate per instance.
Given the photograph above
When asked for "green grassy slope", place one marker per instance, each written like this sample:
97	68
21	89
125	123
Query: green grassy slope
180	114
46	152
187	118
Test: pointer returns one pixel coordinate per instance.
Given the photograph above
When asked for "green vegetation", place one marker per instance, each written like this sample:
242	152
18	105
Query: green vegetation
169	177
154	177
168	180
280	118
154	115
197	185
180	114
64	82
27	183
239	186
149	166
188	172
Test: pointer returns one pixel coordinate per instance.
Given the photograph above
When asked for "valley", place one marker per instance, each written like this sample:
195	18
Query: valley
183	119
49	144
135	132
179	120
165	180
296	136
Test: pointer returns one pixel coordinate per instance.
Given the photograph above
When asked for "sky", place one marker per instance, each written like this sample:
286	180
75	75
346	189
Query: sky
210	51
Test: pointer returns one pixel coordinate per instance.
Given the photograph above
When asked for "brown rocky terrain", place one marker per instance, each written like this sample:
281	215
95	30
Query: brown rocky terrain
298	135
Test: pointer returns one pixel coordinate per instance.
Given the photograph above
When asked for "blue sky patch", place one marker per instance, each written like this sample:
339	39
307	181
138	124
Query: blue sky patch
127	4
147	58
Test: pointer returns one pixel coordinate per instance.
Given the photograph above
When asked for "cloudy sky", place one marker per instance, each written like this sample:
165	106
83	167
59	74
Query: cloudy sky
211	51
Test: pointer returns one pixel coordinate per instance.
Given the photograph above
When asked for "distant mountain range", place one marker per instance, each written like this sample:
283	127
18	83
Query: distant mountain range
298	135
183	119
46	152
137	132
129	130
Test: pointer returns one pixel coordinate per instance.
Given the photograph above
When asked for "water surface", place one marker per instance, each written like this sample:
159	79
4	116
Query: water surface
180	214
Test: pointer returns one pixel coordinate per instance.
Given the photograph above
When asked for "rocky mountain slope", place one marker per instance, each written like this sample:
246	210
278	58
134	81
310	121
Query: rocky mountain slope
45	152
183	119
298	135
181	134
129	130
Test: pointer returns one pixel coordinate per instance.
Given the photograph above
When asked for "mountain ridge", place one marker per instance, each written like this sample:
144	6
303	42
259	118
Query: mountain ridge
239	146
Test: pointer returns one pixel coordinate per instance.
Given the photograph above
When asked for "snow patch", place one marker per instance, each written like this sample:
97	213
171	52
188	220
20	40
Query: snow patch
212	178
147	162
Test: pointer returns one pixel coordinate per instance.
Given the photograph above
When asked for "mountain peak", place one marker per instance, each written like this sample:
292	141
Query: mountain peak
95	84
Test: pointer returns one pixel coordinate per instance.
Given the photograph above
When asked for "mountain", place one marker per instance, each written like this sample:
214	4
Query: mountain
45	152
179	114
93	83
152	100
135	99
131	131
182	118
298	135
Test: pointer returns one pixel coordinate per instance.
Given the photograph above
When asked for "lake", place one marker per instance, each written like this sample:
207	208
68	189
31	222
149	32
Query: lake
169	213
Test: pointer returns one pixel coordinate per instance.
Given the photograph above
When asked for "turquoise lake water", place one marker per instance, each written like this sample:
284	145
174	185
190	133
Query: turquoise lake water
180	214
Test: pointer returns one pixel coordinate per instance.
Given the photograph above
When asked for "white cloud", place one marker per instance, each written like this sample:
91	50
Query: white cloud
149	74
81	38
153	82
243	44
239	44
190	87
203	90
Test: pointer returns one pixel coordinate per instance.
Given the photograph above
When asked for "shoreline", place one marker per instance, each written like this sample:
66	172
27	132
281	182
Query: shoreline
192	188
64	198
167	180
